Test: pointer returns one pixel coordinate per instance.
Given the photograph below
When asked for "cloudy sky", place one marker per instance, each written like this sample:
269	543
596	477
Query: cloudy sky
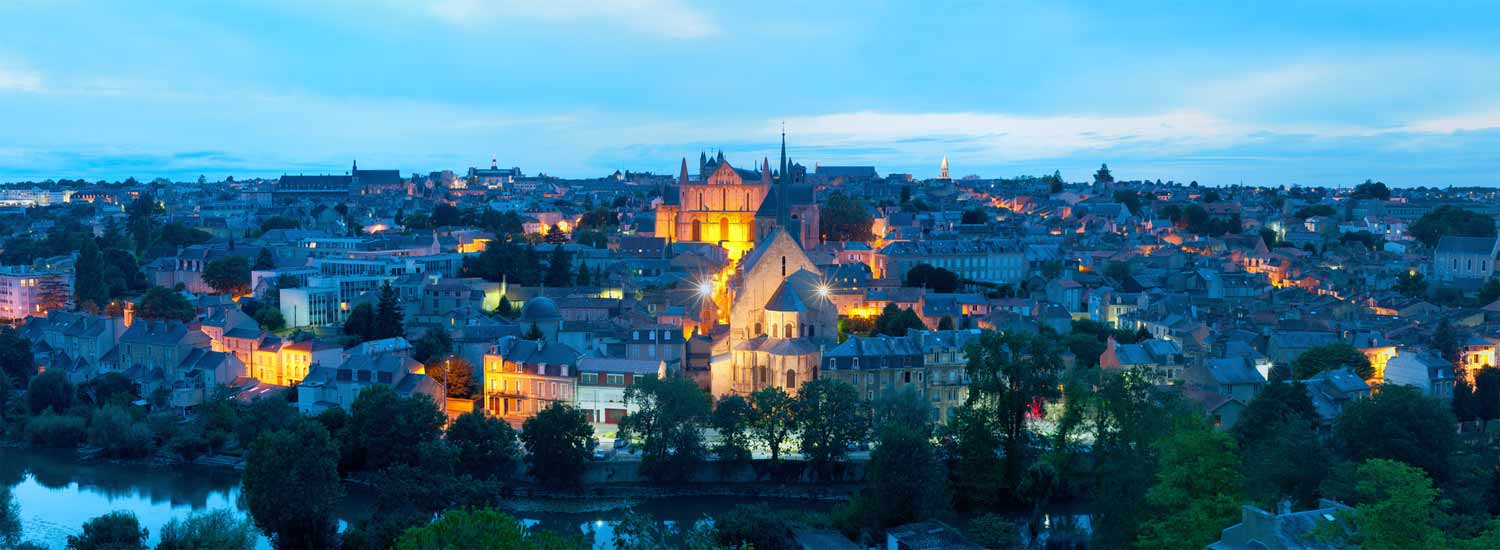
1220	92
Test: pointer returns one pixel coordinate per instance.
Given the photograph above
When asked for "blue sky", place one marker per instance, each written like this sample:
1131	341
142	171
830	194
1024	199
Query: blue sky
1323	93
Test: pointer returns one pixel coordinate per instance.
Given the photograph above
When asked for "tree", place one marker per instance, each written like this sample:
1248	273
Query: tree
1372	190
976	473
89	289
1128	416
1487	393
10	518
1399	423
278	222
388	314
1411	284
1290	462
385	429
1010	375
558	440
906	478
1331	356
303	457
118	434
16	361
995	532
117	530
1103	175
228	275
219	530
1451	221
164	304
973	216
932	278
844	218
559	268
456	372
1278	403
49	391
773	418
894	321
264	259
669	420
486	445
481	528
830	418
1445	341
269	318
732	418
361	323
1397	510
1197	491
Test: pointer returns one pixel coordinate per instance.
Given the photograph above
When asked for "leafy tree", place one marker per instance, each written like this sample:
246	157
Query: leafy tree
385	428
264	260
906	478
1372	190
844	218
1010	374
218	530
486	445
559	268
773	418
558	440
1196	492
1332	356
16	360
89	289
117	530
894	321
457	373
731	418
932	278
1445	341
270	318
669	420
1129	416
118	434
976	473
165	304
1487	393
303	457
49	391
1278	403
388	314
1411	284
973	216
361	323
261	416
830	417
1397	510
1290	462
995	532
10	518
278	222
481	528
178	235
1103	175
1465	403
1399	423
1454	221
753	526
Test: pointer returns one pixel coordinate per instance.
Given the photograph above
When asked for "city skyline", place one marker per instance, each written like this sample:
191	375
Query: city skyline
1330	94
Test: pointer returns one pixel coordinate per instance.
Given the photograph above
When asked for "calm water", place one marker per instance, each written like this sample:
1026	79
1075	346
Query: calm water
57	493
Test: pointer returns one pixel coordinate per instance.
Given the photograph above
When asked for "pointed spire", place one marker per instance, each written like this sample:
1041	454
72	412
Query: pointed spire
494	164
683	178
765	171
782	219
355	168
943	169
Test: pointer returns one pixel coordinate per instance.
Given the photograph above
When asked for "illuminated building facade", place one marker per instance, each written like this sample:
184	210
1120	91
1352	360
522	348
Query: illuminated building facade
27	292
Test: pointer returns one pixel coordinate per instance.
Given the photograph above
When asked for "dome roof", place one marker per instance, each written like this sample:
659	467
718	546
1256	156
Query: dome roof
540	308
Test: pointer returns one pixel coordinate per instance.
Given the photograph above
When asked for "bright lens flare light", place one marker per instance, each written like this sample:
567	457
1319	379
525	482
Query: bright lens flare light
822	291
706	288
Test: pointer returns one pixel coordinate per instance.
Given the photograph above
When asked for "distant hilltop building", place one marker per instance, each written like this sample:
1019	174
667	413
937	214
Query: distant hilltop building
943	169
734	208
494	176
289	189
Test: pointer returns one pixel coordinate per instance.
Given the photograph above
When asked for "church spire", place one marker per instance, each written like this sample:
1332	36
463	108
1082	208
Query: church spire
683	178
355	168
943	169
782	219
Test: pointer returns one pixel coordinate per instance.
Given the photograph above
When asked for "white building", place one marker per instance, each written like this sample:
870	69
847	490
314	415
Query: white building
602	383
29	292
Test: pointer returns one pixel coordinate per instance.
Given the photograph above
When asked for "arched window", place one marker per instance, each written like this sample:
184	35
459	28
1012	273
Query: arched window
723	229
783	266
775	331
791	378
757	330
789	332
812	331
697	230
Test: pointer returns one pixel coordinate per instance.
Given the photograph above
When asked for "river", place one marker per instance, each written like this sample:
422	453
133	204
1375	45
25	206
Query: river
56	493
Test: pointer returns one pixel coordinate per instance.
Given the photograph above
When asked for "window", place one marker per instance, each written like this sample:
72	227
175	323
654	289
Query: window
590	378
616	379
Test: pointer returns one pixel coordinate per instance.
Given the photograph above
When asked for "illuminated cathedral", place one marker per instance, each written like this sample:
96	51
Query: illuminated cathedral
735	208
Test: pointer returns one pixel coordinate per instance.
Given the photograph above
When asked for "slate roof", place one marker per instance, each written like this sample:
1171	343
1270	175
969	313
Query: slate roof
1466	245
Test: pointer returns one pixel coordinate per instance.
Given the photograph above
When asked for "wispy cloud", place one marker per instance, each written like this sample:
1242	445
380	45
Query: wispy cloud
16	77
669	18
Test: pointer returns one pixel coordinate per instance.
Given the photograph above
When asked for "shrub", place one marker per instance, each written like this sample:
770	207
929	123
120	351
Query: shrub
50	430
